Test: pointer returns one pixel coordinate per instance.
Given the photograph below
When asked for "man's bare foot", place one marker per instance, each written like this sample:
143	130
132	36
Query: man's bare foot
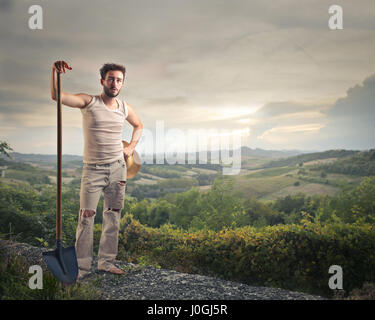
116	271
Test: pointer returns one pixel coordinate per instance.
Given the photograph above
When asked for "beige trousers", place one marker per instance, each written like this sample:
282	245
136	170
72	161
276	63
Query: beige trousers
96	178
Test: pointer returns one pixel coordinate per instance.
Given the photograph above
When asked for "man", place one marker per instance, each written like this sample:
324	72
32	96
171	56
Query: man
104	167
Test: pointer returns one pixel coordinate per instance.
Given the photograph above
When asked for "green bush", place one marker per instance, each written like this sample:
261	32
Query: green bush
293	257
14	280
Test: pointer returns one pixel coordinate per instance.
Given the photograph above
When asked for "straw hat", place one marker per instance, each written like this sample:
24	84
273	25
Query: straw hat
133	163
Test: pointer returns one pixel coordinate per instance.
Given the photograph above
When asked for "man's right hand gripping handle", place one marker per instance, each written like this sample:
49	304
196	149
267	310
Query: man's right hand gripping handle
78	100
60	66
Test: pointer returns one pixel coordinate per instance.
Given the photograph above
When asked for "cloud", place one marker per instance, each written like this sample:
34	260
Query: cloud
195	64
286	123
347	123
359	102
352	118
311	127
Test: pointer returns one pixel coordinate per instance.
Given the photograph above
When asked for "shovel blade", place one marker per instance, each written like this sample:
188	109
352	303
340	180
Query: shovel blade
63	264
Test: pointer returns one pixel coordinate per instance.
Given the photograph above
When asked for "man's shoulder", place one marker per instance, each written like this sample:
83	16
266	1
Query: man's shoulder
88	100
88	97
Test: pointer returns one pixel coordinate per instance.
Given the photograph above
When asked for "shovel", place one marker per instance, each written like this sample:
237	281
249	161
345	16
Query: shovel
62	262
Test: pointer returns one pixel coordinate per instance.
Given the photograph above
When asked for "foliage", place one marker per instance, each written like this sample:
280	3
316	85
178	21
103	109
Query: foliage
217	208
349	206
152	214
4	148
206	179
293	257
33	177
14	280
31	215
161	188
361	164
288	243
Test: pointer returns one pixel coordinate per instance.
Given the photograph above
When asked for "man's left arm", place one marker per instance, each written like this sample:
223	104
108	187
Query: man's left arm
134	120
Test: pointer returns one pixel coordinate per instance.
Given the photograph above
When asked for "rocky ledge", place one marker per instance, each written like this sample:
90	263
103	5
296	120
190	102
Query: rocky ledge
151	283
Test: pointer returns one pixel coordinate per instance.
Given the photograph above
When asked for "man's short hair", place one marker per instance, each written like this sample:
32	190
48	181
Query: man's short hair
111	67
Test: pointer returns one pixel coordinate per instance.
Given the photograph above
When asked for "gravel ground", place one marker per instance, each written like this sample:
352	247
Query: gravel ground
150	283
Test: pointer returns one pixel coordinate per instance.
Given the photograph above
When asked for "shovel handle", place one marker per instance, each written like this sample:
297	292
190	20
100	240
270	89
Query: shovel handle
59	161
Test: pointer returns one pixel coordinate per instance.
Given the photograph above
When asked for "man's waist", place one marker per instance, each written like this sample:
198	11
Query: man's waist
103	165
92	160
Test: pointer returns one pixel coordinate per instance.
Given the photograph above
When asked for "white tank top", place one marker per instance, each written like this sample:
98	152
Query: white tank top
102	131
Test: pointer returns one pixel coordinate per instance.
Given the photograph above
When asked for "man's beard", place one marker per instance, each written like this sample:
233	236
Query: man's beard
108	92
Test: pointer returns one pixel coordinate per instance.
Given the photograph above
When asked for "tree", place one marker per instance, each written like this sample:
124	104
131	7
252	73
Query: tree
139	210
4	148
361	202
219	206
187	207
159	213
258	214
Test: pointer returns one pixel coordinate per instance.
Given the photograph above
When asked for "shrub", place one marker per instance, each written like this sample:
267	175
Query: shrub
14	280
293	257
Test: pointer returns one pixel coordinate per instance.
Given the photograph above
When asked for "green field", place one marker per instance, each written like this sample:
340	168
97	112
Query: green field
260	187
271	183
262	177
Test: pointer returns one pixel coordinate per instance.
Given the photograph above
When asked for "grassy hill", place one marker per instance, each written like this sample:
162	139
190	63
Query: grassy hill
313	173
264	175
303	158
360	164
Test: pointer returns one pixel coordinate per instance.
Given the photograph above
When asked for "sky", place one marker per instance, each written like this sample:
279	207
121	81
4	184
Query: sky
272	73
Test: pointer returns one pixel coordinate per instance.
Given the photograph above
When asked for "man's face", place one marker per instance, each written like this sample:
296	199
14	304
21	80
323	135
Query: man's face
113	82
